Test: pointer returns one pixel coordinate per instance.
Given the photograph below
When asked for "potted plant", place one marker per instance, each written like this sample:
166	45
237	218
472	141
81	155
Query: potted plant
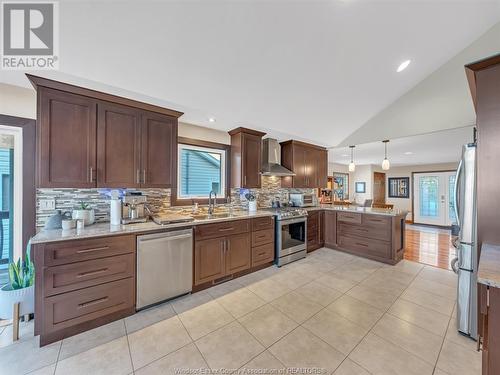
252	202
20	288
84	212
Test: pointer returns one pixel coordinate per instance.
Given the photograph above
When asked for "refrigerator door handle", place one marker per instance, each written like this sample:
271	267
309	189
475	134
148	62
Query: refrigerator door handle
454	265
455	198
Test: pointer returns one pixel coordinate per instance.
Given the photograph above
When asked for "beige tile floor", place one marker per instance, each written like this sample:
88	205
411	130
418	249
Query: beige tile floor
332	312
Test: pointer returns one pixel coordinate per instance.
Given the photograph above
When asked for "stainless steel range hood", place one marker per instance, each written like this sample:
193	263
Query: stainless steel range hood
271	159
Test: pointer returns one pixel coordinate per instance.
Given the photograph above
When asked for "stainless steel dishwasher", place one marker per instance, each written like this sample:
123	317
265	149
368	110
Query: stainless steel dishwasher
164	266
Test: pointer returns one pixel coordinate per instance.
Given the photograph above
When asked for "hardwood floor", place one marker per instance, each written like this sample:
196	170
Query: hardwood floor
429	245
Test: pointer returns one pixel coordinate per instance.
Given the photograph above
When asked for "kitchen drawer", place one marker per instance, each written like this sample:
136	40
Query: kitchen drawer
69	309
365	246
377	220
64	252
262	254
349	217
377	232
68	277
262	237
261	223
205	231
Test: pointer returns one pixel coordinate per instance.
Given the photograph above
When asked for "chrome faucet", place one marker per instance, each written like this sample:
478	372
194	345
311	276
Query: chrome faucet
211	202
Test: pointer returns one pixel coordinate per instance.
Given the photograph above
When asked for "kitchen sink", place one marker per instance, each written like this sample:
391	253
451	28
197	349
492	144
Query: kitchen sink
216	215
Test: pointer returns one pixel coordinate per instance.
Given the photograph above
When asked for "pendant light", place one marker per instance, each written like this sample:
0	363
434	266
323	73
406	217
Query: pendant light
385	163
352	166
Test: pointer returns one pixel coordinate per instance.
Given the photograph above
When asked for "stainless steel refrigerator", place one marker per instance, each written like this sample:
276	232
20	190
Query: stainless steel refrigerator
465	265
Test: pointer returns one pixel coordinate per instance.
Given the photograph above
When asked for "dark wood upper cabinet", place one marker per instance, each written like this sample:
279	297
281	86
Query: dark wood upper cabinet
66	137
118	146
159	150
88	139
322	176
246	158
308	162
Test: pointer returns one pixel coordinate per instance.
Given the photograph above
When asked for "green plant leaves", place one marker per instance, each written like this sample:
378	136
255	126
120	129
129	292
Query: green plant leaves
22	273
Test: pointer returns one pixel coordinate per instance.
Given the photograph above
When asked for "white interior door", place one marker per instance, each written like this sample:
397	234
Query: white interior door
433	198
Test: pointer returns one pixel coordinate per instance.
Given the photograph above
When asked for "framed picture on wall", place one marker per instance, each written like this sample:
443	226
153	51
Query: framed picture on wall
360	187
399	187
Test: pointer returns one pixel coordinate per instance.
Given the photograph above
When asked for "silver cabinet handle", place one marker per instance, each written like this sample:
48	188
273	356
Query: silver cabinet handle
91	174
144	176
245	180
138	177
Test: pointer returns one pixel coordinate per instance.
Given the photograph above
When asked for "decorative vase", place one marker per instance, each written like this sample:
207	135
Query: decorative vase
9	296
88	216
252	206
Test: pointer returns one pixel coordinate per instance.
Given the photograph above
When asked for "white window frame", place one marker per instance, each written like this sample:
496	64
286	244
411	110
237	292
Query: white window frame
223	158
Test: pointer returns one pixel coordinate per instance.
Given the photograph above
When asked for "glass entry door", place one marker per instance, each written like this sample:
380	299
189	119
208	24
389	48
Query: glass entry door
10	188
433	198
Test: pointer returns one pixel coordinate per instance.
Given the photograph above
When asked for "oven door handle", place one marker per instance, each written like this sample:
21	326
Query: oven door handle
292	221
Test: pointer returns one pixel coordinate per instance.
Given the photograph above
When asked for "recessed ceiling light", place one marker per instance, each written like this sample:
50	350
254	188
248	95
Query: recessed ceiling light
403	65
408	153
211	119
345	155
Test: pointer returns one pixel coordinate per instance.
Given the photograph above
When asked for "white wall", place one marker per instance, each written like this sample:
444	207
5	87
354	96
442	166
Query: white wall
406	171
17	101
335	167
363	173
206	134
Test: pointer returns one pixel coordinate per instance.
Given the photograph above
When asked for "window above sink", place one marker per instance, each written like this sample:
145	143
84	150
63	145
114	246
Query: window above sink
202	167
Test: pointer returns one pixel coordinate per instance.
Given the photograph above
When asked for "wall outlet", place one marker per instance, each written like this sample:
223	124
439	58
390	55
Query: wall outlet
47	204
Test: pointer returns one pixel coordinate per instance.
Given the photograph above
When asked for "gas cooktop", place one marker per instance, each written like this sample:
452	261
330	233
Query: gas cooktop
288	212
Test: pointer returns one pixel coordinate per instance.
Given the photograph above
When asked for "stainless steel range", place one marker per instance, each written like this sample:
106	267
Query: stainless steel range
291	234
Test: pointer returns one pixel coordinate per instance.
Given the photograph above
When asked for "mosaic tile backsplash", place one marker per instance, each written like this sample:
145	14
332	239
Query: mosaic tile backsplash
158	199
98	199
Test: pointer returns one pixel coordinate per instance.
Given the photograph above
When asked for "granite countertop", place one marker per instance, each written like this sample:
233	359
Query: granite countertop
106	229
489	266
357	209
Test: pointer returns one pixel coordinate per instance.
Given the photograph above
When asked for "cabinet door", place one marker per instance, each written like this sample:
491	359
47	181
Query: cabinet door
299	167
159	151
66	140
251	160
312	230
209	260
311	163
238	253
118	146
321	228
330	228
322	172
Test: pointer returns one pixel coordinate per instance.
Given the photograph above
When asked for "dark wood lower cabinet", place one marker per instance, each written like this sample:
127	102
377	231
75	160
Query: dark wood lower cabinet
82	284
234	250
373	236
330	229
238	253
489	331
209	260
314	231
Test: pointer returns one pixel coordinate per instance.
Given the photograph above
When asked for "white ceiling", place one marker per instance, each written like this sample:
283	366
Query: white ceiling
431	148
312	70
441	101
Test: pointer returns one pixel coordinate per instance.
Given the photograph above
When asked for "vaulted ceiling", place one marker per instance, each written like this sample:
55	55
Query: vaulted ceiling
312	70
